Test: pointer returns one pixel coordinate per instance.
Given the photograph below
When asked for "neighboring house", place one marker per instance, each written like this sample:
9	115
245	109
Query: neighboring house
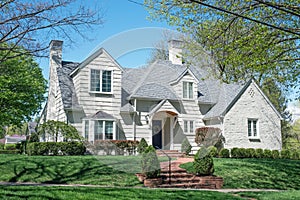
14	139
164	102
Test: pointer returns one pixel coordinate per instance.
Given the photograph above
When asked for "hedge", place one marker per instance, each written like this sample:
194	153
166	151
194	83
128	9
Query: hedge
119	146
55	148
9	151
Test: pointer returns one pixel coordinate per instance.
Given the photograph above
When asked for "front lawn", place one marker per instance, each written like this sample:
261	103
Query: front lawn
96	170
257	173
90	193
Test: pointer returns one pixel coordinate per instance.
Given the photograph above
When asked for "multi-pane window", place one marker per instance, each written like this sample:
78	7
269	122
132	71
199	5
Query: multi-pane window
86	130
188	90
252	128
103	130
101	80
188	126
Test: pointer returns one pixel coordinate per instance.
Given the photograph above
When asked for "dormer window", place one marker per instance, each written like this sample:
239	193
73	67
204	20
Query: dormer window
188	90
101	81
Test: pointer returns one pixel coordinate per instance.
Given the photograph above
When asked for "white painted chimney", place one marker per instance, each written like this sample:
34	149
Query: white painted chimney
55	62
175	51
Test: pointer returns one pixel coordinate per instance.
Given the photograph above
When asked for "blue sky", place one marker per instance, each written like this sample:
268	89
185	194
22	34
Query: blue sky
126	34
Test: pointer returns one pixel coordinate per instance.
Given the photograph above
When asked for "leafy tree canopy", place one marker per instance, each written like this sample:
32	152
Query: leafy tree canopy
22	88
57	129
245	38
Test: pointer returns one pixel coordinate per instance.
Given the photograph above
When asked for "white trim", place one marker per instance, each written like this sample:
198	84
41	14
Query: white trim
100	79
182	75
251	120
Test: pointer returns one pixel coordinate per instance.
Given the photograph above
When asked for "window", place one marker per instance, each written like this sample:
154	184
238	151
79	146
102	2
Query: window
103	130
101	81
252	128
188	126
187	90
86	130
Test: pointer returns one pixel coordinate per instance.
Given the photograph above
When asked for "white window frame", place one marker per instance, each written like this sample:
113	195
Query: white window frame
188	126
253	126
103	129
86	130
188	86
100	79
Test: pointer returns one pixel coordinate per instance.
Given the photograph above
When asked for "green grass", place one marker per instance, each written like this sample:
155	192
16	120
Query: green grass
286	195
257	173
97	170
90	193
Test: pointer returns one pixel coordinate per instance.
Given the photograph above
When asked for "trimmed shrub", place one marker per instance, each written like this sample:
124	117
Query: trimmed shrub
10	147
203	162
119	146
259	153
55	148
1	146
251	153
213	151
295	155
224	153
268	153
275	154
236	153
9	151
142	146
150	163
186	147
285	154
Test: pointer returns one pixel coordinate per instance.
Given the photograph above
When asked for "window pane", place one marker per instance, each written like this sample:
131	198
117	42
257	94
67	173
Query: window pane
86	130
109	130
98	130
254	128
106	81
249	128
190	90
185	90
191	126
95	80
185	126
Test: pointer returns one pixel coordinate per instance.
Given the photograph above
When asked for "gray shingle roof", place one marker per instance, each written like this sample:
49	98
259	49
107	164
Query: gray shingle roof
69	98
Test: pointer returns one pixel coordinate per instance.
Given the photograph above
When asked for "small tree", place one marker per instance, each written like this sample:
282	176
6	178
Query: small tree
150	163
203	162
142	146
186	147
58	129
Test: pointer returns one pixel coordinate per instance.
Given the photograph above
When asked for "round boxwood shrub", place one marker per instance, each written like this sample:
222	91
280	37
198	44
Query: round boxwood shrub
251	153
275	154
186	147
285	154
142	146
224	153
259	153
203	162
213	151
235	153
150	163
268	153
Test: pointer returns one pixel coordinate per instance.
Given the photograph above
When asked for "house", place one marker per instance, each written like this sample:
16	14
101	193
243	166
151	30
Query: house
163	102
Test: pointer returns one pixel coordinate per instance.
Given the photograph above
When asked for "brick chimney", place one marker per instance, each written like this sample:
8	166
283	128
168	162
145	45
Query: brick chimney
55	61
175	51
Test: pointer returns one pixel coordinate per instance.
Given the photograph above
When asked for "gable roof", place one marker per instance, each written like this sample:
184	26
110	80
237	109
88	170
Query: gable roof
92	57
229	95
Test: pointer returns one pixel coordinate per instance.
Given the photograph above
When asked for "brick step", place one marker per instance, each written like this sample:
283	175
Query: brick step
188	185
166	170
177	175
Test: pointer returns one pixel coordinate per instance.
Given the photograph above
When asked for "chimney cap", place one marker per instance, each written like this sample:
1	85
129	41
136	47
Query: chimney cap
56	43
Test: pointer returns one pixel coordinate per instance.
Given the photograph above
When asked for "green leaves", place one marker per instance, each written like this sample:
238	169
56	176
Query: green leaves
22	89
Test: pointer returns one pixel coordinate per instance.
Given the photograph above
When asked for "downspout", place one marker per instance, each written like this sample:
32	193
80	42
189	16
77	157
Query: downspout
134	117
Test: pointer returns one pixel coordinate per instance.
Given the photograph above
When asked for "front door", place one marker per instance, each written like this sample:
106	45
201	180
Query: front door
157	134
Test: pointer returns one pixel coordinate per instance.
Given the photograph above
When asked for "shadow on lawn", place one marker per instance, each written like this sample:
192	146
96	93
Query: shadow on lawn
71	170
